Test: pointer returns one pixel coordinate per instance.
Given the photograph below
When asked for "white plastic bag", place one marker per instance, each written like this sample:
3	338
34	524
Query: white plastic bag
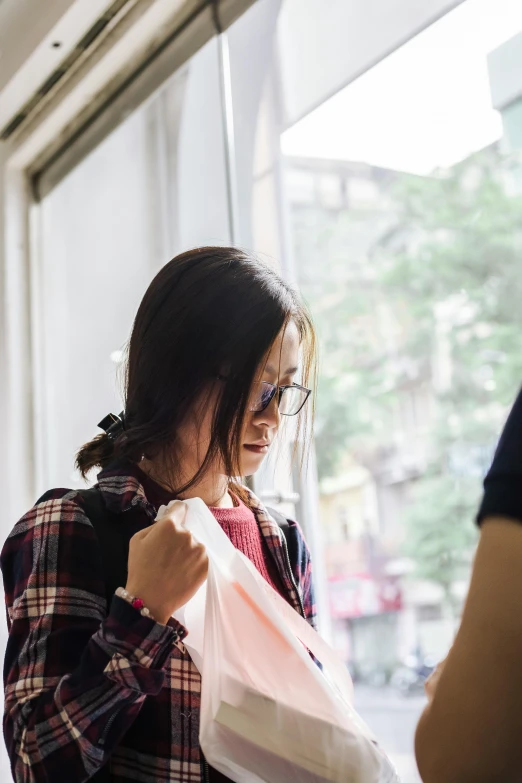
268	713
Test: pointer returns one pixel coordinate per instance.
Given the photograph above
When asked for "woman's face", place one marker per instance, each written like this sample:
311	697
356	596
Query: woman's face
260	428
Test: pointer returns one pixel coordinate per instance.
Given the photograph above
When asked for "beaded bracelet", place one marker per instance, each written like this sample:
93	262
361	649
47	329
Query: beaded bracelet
137	603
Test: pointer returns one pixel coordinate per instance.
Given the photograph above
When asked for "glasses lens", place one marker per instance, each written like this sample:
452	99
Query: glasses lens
292	400
262	396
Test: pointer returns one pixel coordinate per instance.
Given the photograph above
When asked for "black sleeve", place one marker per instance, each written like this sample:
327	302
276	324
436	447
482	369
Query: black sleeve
503	483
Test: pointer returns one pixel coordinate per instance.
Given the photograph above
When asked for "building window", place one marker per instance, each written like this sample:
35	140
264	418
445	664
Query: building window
300	186
330	191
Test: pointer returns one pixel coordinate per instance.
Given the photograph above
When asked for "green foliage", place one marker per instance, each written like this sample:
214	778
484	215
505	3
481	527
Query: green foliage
439	539
463	254
427	285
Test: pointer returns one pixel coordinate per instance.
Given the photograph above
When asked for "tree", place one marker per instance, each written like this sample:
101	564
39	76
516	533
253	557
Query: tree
439	541
433	294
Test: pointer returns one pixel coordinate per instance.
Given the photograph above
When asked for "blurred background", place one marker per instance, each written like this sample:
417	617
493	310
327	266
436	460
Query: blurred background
371	151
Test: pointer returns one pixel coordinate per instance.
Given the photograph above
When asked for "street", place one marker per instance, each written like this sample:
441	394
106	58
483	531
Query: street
393	719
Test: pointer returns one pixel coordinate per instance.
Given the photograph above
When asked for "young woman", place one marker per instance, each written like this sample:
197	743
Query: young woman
108	692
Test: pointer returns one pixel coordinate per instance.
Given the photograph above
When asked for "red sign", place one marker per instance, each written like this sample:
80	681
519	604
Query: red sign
360	595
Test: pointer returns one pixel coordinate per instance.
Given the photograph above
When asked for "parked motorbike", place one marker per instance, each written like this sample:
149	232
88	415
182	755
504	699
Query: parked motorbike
409	678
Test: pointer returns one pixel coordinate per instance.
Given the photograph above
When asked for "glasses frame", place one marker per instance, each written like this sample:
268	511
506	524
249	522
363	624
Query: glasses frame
275	389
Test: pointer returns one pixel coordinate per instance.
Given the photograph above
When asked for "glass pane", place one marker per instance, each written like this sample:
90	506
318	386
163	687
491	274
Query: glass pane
396	207
156	186
292	401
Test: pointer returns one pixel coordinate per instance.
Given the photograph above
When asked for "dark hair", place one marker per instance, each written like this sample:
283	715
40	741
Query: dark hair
207	309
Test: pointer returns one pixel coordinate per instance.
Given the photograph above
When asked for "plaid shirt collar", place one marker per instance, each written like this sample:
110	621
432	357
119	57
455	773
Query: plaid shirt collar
121	488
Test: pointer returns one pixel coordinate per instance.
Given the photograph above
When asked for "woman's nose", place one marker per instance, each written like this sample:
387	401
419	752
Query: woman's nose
270	416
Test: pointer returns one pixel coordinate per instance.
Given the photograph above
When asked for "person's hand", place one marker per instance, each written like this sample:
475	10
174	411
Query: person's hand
430	686
167	565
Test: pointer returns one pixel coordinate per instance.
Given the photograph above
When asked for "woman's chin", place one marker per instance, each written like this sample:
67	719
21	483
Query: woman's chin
251	463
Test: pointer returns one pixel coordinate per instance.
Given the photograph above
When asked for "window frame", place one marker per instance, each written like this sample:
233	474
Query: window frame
31	158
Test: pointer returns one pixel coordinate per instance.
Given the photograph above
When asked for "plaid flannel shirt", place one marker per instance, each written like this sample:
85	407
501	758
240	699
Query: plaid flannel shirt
88	685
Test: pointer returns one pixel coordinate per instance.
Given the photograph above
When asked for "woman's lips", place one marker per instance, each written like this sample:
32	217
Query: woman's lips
257	449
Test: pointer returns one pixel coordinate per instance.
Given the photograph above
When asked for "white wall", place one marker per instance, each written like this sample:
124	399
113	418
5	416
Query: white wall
27	28
105	231
98	255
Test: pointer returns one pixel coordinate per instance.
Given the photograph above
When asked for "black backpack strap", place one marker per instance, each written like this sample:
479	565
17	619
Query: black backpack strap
287	531
113	536
281	520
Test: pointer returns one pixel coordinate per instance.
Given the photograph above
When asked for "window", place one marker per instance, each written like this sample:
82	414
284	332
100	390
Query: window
383	195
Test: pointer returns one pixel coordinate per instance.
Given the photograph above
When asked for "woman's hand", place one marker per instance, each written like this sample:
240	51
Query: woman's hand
167	565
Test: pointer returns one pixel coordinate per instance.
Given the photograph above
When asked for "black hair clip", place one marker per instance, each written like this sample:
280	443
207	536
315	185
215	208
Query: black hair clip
113	425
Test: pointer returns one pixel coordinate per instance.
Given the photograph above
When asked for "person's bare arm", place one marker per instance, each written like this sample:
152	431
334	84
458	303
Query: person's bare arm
472	729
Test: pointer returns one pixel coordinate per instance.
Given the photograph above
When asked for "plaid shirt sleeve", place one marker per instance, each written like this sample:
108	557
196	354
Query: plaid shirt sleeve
75	679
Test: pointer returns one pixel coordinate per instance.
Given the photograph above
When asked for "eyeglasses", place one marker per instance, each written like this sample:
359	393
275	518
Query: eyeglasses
291	399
